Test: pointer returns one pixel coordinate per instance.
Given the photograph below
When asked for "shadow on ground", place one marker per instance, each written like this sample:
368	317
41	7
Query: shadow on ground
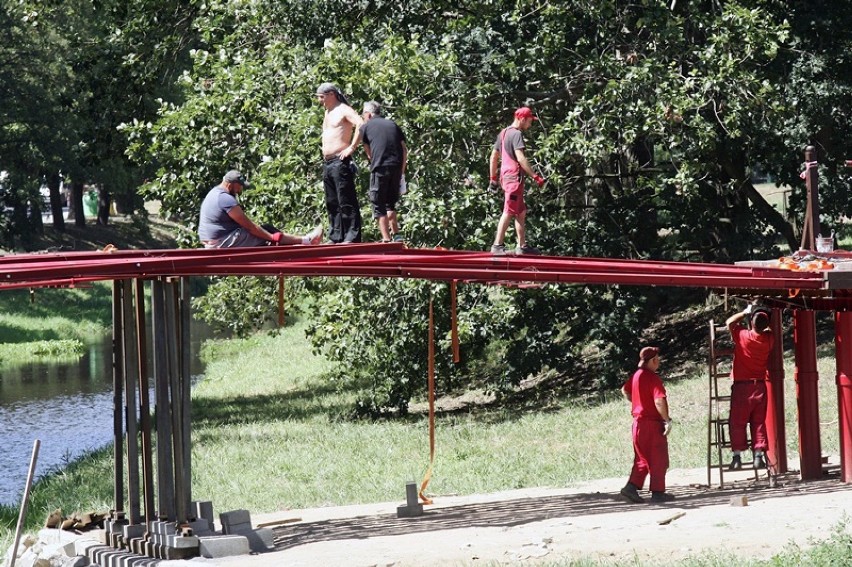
509	513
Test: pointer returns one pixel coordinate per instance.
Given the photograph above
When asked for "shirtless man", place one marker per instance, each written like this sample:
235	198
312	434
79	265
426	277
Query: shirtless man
338	176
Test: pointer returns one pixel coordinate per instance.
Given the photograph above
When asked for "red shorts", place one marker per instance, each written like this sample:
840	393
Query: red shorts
513	201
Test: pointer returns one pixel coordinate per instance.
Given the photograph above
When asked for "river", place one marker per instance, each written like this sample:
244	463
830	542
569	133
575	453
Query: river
68	406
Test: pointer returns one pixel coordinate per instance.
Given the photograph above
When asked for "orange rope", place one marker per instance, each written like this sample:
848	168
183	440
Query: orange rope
431	380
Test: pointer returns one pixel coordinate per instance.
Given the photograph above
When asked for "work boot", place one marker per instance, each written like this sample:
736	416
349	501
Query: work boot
630	494
527	251
759	462
498	250
659	497
736	463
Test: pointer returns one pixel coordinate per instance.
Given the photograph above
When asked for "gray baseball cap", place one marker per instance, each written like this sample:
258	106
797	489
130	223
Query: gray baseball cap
234	176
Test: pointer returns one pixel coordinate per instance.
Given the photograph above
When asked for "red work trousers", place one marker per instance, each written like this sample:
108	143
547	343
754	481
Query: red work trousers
748	407
650	454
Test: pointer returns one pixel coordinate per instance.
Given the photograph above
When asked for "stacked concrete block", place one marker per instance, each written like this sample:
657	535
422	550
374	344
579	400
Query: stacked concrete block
238	522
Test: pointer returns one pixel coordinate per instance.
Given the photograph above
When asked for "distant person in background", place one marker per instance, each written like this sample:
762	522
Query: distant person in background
509	154
748	390
223	224
651	426
338	176
384	144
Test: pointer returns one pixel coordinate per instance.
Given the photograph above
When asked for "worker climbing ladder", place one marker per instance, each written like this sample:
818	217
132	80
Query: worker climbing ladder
720	360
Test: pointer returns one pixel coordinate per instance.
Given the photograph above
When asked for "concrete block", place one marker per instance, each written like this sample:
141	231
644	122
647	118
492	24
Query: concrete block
223	546
741	500
133	531
77	561
204	511
260	539
235	521
180	542
200	527
163	528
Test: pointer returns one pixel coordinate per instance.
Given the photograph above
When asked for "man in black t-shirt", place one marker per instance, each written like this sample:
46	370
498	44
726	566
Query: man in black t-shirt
385	146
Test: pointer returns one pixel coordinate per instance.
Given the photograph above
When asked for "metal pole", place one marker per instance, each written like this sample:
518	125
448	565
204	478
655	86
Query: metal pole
144	404
173	336
807	397
165	481
811	225
22	514
130	419
775	422
186	387
117	408
843	354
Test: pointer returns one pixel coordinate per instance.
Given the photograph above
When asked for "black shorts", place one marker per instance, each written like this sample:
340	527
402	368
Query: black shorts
384	189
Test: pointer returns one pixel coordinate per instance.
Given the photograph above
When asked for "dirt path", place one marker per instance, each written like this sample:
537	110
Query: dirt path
537	525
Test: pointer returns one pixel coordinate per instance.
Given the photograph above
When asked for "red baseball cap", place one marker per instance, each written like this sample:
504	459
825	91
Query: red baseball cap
525	112
647	353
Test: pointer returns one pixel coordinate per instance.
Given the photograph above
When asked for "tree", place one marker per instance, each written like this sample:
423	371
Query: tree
651	115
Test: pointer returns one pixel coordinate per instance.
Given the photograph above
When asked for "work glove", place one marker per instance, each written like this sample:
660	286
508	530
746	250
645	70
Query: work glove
403	186
276	238
749	308
493	185
667	428
539	180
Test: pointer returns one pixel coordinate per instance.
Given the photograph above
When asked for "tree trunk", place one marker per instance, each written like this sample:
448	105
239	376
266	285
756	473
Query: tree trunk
53	182
77	200
104	202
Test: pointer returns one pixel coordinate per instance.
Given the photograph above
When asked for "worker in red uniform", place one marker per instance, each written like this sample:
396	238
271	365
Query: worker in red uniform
748	390
651	426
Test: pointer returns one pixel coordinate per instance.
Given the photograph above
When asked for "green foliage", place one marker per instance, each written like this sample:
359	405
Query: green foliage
651	117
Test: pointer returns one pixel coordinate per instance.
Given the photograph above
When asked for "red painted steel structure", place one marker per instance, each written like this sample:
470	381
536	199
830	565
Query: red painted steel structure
786	288
843	352
390	260
807	394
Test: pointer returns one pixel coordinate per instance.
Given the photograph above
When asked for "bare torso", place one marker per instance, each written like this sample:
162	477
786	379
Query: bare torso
337	128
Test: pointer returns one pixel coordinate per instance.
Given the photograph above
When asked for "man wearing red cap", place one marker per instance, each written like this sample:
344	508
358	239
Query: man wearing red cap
508	152
651	426
748	390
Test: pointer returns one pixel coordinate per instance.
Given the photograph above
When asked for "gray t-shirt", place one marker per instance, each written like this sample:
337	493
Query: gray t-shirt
214	222
513	140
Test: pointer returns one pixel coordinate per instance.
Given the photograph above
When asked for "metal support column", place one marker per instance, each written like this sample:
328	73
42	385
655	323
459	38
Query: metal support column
843	354
131	367
775	422
117	395
807	380
811	225
165	468
184	311
144	404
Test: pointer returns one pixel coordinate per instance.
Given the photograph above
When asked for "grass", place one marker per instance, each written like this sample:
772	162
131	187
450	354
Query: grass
271	431
81	314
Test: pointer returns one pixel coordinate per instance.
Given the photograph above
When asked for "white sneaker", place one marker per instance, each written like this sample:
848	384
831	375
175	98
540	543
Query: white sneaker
314	236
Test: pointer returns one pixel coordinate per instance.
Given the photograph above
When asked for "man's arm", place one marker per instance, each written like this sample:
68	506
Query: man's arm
404	156
368	151
493	162
522	160
735	320
352	117
625	391
238	216
662	405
